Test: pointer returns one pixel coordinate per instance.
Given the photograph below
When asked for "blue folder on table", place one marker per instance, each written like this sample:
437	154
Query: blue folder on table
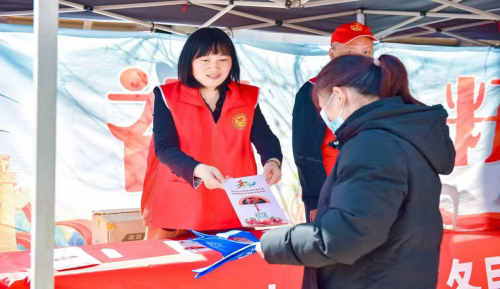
229	244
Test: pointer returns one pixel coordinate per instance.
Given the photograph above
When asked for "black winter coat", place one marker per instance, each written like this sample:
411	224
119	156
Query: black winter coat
378	224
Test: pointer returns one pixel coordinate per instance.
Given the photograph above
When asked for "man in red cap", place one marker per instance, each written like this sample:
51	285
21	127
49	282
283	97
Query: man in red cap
313	155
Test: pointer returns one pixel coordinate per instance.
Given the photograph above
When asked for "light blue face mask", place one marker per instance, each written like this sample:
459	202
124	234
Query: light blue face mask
336	123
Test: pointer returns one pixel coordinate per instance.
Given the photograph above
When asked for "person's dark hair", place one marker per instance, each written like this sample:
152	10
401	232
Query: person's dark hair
202	42
361	73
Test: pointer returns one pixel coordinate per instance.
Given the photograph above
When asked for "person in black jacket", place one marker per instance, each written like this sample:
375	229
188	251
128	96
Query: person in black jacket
312	154
378	224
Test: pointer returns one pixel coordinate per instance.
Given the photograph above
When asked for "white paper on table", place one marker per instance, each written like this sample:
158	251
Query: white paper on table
111	253
186	245
254	202
71	258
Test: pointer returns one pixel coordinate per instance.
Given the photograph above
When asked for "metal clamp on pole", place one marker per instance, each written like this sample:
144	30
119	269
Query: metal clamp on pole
152	30
279	22
288	4
360	16
88	8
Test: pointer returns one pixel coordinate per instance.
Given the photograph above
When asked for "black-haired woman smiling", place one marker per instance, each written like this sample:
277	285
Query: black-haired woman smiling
204	126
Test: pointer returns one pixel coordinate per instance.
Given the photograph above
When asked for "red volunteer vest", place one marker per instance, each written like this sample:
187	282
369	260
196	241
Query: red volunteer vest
329	154
169	201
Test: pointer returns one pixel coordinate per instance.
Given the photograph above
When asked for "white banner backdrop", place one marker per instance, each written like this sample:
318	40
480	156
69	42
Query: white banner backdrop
104	117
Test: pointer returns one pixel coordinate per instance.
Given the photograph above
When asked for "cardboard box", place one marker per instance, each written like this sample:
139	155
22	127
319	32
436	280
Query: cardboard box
114	226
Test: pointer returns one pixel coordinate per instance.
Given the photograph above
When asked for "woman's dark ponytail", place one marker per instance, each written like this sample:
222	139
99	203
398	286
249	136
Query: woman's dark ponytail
394	80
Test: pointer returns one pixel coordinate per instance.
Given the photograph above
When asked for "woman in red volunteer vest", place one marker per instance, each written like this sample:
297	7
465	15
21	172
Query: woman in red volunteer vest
203	129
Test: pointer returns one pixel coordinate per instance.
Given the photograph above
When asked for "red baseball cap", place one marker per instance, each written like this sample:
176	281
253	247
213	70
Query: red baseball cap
346	33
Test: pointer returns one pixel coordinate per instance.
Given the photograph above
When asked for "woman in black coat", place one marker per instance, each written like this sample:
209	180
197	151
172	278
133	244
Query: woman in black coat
378	223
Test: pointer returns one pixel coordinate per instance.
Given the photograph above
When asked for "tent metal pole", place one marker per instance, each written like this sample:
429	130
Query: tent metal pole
466	38
140	5
291	21
431	30
393	29
325	2
457	27
104	7
248	27
407	35
31	12
242	14
469	9
282	2
124	18
239	3
451	28
301	28
217	16
319	17
429	14
267	20
43	197
430	23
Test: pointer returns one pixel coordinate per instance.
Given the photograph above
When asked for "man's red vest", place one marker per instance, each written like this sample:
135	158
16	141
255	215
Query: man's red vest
168	201
329	154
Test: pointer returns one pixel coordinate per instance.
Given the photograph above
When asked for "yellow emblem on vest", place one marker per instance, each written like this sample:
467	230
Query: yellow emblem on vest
240	121
356	27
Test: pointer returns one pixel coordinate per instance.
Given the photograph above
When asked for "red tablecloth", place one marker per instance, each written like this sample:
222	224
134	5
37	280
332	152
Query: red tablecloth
471	259
466	259
153	264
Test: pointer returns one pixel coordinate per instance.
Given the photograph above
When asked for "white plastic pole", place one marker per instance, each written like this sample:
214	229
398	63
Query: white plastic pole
43	198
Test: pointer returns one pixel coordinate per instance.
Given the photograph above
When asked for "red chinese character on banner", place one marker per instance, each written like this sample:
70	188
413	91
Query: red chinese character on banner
135	138
465	108
463	282
495	154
